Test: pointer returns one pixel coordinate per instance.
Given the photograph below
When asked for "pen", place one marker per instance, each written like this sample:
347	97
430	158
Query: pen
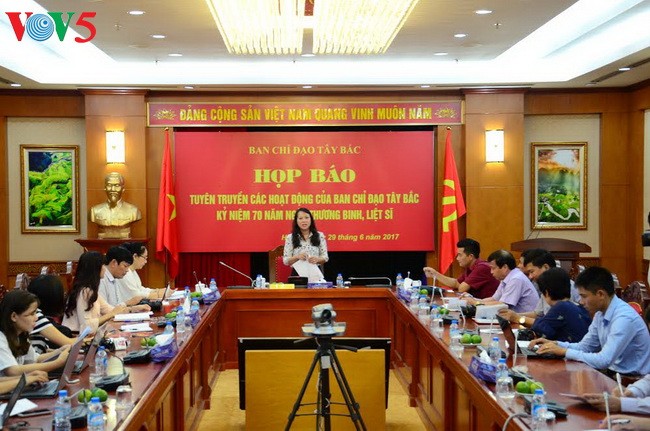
620	421
620	386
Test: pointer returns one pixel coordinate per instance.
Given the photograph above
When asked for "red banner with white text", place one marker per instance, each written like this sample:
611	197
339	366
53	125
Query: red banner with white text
368	191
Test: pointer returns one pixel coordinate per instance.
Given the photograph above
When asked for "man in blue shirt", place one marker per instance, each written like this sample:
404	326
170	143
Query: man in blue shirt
617	339
564	321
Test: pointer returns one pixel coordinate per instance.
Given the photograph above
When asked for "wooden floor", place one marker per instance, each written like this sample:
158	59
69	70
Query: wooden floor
225	415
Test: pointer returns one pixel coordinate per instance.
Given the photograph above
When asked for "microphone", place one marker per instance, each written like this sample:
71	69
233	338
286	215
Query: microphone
196	277
237	271
390	283
111	382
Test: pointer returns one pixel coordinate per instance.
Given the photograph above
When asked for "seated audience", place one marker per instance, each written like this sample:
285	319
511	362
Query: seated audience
17	320
130	285
515	289
118	261
85	307
617	340
564	321
48	332
476	278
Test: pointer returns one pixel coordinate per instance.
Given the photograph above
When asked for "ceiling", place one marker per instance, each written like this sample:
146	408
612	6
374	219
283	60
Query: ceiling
522	43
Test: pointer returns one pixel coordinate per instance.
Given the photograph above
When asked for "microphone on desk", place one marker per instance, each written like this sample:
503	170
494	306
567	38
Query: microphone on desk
238	272
390	283
112	382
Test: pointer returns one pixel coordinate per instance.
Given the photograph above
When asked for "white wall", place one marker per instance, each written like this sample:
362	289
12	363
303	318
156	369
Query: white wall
43	131
566	128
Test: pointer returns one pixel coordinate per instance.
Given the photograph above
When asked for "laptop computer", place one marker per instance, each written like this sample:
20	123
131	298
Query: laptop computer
13	399
79	366
522	346
51	388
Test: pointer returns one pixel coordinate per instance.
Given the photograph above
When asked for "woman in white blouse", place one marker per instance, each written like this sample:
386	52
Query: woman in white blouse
305	242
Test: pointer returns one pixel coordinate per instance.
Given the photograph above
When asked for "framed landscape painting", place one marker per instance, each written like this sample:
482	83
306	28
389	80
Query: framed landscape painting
559	185
49	188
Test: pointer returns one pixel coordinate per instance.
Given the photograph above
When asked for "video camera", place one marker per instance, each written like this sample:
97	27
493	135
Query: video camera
323	316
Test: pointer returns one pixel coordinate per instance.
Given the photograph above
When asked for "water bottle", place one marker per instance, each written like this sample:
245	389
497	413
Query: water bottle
258	281
423	309
169	328
494	351
538	409
95	415
504	385
188	327
213	285
180	326
62	412
187	301
195	306
436	323
454	336
339	280
415	300
399	282
101	361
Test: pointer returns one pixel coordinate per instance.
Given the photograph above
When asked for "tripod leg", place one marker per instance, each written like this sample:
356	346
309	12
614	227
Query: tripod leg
325	393
353	406
296	405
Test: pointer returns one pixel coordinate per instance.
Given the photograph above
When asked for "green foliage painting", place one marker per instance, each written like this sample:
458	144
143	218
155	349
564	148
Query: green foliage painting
50	186
559	186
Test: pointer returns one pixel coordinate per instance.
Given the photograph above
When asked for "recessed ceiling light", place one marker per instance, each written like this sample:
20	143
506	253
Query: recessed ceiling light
460	35
308	55
15	84
189	87
624	69
175	54
307	86
136	12
439	54
158	36
425	86
482	12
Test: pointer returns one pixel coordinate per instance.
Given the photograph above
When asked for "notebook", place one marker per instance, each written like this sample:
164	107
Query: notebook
522	347
51	388
13	398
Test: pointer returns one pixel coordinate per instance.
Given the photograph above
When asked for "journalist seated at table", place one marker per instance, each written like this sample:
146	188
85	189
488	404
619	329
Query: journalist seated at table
118	262
515	289
564	321
617	340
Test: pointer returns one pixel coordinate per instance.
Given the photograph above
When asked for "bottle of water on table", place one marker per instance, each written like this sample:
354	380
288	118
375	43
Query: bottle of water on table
95	415
101	362
494	351
339	280
538	410
454	336
62	412
504	385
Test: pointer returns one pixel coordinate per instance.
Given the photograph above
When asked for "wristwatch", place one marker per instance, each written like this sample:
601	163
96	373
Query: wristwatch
522	320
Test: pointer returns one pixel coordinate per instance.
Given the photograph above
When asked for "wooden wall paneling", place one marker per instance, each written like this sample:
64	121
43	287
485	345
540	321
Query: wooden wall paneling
4	205
62	104
155	142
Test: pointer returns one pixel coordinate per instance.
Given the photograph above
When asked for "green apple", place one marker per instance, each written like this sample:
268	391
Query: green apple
101	394
476	339
523	387
535	385
84	396
466	338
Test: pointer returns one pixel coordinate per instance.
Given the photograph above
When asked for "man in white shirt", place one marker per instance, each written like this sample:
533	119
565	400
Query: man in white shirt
130	285
118	261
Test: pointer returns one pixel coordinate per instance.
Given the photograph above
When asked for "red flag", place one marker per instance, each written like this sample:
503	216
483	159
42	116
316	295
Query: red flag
167	231
453	207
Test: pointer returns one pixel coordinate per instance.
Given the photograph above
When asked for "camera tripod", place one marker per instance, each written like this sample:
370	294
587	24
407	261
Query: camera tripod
326	357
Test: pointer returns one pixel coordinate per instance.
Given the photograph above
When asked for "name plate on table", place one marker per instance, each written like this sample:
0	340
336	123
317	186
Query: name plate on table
320	285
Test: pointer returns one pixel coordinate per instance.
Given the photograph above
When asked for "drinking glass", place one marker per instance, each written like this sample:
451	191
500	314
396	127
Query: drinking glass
437	326
520	363
123	401
505	390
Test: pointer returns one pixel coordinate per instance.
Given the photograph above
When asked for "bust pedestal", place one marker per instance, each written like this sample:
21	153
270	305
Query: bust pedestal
103	244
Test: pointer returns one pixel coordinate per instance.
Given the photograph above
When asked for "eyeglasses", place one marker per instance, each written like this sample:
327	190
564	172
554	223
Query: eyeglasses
144	256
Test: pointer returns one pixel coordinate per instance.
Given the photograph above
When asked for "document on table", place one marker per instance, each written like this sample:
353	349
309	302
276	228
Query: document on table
136	327
309	270
133	317
22	405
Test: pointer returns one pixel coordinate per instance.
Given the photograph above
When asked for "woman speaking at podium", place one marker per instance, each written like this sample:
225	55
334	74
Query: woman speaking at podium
305	242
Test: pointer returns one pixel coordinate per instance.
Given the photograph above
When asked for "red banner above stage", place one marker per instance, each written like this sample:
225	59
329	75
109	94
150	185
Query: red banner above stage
303	114
237	192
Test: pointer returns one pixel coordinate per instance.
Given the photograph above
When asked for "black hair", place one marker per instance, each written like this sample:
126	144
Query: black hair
470	246
596	278
531	254
502	257
295	229
135	247
87	275
556	283
119	254
15	301
540	260
51	295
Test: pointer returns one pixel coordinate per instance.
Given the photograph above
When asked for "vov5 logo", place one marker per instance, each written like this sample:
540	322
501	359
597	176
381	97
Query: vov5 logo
40	26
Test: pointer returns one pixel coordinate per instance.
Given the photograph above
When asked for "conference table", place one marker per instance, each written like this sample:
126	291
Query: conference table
172	395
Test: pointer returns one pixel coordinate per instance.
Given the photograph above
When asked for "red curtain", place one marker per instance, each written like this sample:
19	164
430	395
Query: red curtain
207	266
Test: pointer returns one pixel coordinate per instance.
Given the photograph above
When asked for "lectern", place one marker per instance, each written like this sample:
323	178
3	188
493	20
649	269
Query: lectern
564	250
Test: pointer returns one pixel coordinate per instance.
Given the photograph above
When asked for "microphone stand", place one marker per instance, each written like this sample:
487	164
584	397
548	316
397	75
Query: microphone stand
110	382
390	283
238	272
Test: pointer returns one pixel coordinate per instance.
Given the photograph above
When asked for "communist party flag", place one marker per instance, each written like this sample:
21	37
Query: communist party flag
453	207
167	231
